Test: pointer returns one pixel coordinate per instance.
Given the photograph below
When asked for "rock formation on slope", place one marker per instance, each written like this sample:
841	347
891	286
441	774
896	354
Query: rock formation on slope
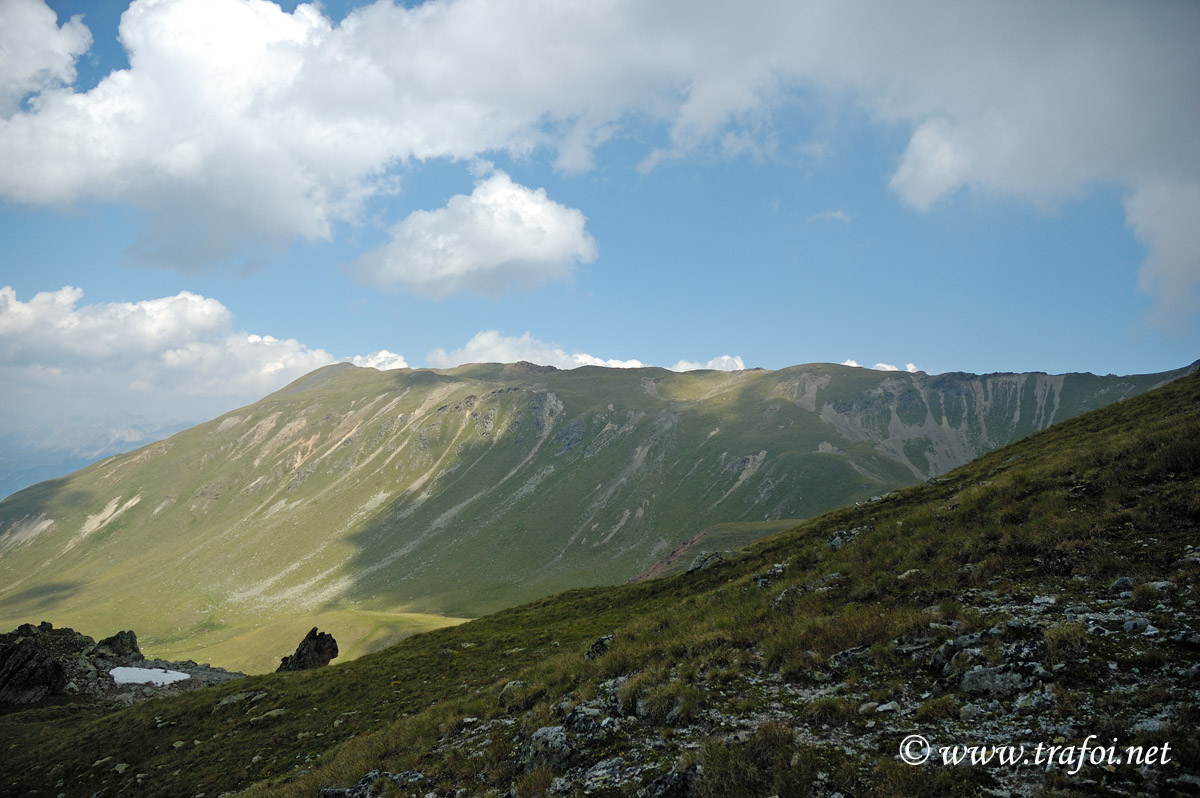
314	651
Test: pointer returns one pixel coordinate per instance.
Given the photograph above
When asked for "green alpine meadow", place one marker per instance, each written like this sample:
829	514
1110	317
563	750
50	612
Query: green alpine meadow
1042	595
376	504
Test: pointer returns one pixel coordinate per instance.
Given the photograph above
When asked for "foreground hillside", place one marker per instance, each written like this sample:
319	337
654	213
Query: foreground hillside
376	504
1045	594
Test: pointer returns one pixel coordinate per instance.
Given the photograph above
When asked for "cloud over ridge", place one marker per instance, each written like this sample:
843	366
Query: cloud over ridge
179	352
489	346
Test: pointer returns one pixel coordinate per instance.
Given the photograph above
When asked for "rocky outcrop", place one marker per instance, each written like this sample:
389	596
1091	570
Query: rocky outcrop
366	786
39	662
29	673
705	560
122	646
314	651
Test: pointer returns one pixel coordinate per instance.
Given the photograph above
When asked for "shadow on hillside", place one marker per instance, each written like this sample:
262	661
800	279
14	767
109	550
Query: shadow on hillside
15	510
40	599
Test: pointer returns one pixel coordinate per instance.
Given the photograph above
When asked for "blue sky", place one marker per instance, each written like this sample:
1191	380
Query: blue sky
217	196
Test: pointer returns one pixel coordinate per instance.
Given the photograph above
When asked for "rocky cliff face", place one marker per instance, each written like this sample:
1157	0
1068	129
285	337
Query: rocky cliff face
464	491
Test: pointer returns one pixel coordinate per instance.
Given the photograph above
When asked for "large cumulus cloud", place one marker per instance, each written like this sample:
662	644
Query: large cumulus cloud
174	358
239	125
503	235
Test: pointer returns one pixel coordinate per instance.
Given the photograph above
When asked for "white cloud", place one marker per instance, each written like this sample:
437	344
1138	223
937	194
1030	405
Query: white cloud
719	363
911	368
934	165
49	328
1166	220
382	360
489	346
242	367
503	237
60	358
238	124
35	53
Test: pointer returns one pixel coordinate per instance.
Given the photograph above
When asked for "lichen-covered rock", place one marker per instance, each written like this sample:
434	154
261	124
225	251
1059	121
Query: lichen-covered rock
705	560
674	784
365	787
549	747
599	648
1002	680
513	695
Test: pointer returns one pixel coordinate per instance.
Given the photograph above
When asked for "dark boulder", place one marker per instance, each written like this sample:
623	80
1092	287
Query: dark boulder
29	672
123	647
314	651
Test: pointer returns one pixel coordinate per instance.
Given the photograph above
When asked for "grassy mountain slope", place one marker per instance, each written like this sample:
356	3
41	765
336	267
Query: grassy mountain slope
419	496
794	669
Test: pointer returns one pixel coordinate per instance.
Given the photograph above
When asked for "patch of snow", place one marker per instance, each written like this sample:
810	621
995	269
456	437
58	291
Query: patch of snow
158	676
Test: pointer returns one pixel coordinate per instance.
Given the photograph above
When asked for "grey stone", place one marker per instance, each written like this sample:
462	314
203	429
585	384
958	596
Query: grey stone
549	747
510	693
705	560
1000	681
843	536
1120	586
364	787
674	784
849	658
582	723
599	648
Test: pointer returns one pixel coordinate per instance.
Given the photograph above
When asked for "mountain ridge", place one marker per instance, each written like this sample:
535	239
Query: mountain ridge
433	495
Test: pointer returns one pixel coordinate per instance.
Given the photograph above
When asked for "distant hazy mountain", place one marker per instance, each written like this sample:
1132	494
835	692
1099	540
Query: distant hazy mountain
458	492
30	456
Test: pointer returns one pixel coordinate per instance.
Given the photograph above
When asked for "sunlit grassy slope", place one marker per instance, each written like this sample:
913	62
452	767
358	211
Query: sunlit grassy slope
1064	512
450	494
